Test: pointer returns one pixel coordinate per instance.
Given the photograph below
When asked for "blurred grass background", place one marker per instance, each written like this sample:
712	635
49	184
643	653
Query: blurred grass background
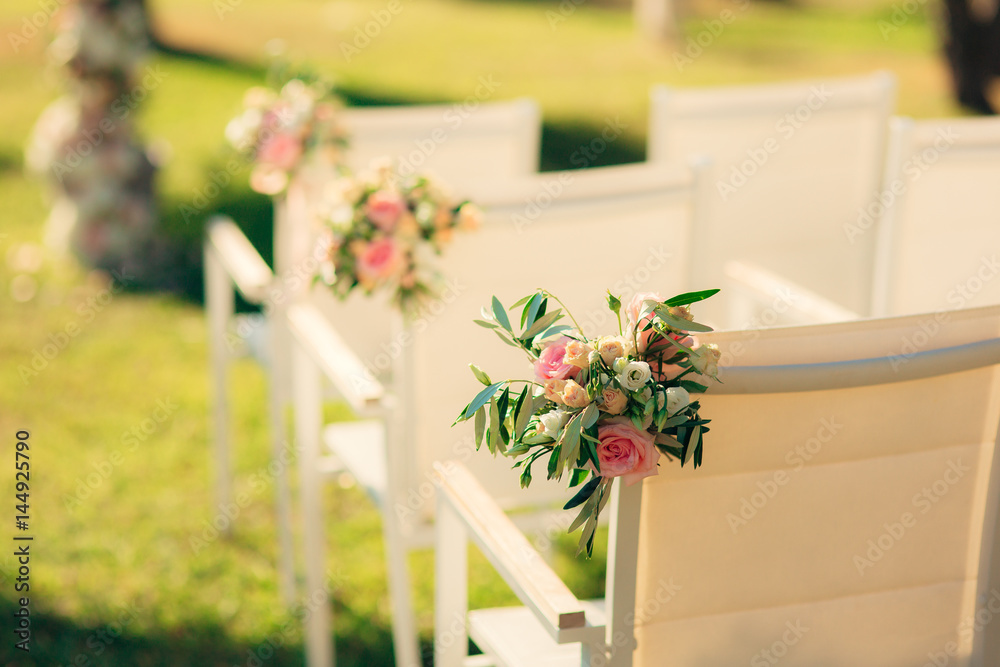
115	578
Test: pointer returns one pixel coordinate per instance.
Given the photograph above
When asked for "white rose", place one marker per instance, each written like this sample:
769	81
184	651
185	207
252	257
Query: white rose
678	398
553	422
635	375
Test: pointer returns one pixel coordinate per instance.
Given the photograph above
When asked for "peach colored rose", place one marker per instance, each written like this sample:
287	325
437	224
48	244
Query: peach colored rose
383	208
553	390
577	354
632	310
469	217
705	360
574	395
615	401
379	260
280	150
613	347
625	451
550	364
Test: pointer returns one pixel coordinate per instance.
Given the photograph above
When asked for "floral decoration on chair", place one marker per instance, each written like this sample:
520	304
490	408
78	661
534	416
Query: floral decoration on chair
285	131
599	408
382	232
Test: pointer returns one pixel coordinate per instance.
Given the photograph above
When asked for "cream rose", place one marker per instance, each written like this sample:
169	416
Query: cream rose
574	395
553	390
678	398
613	347
635	375
615	401
577	354
705	360
551	423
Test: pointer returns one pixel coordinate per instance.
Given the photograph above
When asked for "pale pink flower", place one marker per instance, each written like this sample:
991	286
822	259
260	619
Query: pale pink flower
383	208
625	451
551	364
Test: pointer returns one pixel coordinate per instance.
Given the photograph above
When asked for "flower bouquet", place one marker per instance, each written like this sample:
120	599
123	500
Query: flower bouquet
382	231
599	408
282	131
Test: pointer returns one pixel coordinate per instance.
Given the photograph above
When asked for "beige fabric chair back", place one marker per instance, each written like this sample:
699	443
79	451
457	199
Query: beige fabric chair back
940	238
833	527
794	164
575	233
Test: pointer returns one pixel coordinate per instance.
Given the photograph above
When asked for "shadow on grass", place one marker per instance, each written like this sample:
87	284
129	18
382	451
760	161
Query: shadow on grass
564	146
57	640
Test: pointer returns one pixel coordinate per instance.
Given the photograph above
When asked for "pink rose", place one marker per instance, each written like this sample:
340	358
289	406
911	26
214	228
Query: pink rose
664	372
633	309
280	150
550	364
378	260
625	451
383	208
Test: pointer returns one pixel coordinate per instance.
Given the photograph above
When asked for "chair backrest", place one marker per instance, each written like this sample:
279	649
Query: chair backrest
844	514
793	165
462	145
575	233
940	233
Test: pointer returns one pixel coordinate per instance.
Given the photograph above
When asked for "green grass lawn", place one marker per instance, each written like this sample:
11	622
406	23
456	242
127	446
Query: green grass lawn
114	577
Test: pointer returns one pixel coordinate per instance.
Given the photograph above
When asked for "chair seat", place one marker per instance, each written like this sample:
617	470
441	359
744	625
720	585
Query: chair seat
360	448
514	637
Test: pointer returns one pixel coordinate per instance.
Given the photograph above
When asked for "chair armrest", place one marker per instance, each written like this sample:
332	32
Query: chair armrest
524	570
801	305
335	359
248	271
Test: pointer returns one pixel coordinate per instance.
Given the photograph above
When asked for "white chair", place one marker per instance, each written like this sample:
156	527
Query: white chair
794	165
509	132
940	231
578	233
845	516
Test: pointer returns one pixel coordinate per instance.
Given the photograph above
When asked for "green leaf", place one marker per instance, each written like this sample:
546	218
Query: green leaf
480	400
501	315
505	339
485	323
679	323
584	493
523	413
553	470
690	297
523	300
530	311
552	331
587	537
494	426
480	427
480	375
577	476
586	512
689	447
543	323
693	387
590	415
